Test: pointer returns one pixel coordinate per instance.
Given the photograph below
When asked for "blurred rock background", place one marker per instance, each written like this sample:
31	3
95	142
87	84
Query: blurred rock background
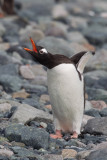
63	27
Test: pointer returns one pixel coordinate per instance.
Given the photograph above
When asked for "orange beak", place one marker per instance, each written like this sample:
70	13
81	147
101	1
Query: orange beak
33	46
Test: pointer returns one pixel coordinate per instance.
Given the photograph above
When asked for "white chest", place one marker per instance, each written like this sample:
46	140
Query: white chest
66	92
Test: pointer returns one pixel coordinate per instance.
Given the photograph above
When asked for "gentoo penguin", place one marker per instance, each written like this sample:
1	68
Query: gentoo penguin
65	86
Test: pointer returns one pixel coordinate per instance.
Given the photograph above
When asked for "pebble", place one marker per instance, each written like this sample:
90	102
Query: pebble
44	98
26	113
83	154
4	107
6	152
98	104
30	136
26	72
59	11
20	94
10	83
69	153
96	126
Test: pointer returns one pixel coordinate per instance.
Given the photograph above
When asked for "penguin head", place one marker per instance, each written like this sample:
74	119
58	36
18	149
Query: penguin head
40	54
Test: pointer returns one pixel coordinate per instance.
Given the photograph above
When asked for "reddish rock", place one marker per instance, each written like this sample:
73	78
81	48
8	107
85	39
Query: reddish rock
98	104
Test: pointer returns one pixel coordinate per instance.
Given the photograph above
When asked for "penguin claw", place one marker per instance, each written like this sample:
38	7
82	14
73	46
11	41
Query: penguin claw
54	136
74	136
57	135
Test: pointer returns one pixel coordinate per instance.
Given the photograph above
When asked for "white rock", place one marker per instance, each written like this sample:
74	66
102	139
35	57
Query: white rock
26	113
42	124
59	11
4	107
6	152
26	72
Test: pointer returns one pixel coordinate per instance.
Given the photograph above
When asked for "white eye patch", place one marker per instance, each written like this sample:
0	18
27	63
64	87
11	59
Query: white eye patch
43	50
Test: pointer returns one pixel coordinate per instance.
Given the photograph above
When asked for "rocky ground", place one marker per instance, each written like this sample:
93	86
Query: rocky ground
25	111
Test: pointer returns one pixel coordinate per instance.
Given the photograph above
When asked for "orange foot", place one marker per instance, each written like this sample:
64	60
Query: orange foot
57	135
1	15
75	135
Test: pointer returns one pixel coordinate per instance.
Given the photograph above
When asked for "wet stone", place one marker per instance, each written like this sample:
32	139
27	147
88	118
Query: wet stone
30	136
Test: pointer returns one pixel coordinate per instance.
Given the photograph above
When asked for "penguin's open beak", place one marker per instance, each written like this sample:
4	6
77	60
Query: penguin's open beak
33	46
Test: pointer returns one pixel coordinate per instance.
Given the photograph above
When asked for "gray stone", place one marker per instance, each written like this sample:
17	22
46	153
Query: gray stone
97	79
10	69
76	37
96	126
38	89
93	113
53	157
97	94
32	102
56	46
4	58
103	112
96	34
23	152
100	154
30	31
31	136
10	83
26	113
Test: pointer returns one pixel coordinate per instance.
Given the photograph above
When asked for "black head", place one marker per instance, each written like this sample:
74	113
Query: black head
45	58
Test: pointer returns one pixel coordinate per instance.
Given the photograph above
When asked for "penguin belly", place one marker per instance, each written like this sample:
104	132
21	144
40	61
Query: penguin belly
66	92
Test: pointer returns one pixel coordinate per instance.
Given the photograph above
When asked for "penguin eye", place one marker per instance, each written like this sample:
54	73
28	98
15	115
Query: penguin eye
42	51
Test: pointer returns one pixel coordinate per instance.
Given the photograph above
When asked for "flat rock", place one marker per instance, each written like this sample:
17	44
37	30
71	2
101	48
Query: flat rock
44	98
31	136
97	94
59	11
97	79
4	58
6	152
96	126
26	113
56	46
29	31
76	37
99	152
85	120
83	154
10	69
26	72
4	46
69	153
5	107
96	34
34	88
21	94
103	112
53	157
98	104
10	82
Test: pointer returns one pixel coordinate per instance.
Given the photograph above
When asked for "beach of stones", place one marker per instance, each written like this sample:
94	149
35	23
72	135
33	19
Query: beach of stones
26	119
